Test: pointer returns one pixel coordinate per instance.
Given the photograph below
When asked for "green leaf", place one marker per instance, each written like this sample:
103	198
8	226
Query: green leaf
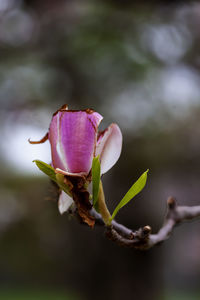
96	175
132	192
46	169
62	184
50	171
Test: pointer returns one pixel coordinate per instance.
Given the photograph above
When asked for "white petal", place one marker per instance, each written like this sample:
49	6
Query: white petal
109	146
64	202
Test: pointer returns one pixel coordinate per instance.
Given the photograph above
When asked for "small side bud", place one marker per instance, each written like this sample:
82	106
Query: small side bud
147	230
144	232
171	202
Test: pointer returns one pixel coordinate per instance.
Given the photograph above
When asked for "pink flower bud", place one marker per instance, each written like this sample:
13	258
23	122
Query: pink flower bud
75	140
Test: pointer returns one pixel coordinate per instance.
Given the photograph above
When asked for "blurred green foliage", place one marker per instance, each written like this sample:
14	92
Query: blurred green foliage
34	294
180	296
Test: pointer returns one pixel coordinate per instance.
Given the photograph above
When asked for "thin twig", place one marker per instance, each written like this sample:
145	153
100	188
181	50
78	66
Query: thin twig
143	239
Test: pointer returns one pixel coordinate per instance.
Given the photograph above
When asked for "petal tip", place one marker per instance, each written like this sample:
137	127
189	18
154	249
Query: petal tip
109	146
64	202
41	141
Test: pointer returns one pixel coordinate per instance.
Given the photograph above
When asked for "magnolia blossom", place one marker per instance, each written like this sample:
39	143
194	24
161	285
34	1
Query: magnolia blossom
75	141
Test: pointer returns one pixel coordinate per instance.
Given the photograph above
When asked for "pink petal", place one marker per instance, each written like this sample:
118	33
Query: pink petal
78	134
64	202
109	146
73	135
58	157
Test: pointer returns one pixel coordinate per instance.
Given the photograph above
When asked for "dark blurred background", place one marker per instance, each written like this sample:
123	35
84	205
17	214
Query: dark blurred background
138	64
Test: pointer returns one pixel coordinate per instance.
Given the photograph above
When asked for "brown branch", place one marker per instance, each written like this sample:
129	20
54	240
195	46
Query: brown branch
143	239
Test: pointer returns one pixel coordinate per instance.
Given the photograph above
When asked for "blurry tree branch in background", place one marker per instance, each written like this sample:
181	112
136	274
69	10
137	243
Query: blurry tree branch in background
142	238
